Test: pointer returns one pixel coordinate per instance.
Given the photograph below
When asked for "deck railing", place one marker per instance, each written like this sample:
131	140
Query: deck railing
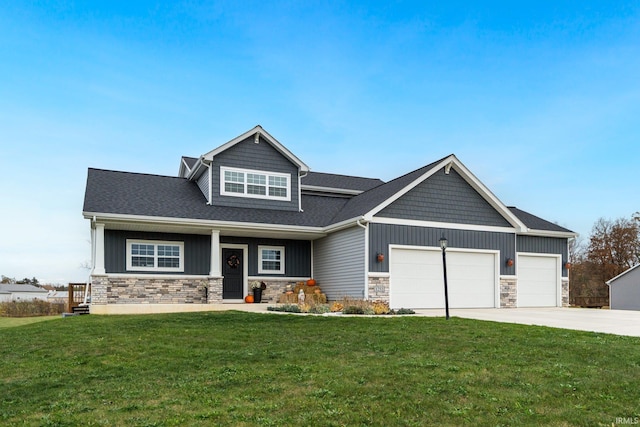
77	292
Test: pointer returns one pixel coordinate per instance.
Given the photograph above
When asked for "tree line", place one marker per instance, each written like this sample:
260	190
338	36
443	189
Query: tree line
612	248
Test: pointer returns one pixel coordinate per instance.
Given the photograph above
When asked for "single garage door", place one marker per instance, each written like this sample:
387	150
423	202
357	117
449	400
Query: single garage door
417	279
538	281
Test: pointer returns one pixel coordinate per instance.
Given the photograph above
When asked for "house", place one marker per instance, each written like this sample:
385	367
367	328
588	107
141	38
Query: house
55	296
17	292
624	290
250	209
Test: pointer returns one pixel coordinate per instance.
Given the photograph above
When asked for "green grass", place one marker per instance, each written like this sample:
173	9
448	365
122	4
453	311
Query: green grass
247	369
10	322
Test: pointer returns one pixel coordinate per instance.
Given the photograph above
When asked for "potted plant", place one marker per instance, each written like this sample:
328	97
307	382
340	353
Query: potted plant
257	288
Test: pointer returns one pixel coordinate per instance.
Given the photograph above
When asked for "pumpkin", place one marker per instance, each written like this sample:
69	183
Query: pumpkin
289	292
318	291
311	282
248	299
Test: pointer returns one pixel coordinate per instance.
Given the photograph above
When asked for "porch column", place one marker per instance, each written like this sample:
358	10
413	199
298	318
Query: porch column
215	254
98	262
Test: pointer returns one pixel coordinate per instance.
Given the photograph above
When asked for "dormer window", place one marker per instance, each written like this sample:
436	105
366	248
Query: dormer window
257	184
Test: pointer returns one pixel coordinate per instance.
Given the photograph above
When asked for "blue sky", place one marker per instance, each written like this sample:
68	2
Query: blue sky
540	100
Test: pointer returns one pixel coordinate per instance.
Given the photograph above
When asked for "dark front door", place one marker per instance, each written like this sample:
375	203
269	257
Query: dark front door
232	268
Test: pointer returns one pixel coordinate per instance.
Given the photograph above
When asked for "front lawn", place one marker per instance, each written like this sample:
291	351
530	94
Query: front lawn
10	322
246	369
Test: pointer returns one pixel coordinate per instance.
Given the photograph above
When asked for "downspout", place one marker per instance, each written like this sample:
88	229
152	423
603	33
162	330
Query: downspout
366	257
300	190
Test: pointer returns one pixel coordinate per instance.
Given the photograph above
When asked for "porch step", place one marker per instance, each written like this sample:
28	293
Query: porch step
83	309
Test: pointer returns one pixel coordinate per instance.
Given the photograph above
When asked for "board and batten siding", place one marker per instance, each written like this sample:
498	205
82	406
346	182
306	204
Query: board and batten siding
197	251
338	263
383	235
445	198
545	245
262	157
297	259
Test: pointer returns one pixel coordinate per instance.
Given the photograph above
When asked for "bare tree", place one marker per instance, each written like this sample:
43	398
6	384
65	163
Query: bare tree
614	246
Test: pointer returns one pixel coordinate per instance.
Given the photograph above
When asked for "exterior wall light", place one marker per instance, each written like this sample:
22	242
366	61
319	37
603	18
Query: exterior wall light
380	257
509	262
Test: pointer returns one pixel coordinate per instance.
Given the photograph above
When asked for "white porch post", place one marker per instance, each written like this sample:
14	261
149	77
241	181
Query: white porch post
98	262
215	254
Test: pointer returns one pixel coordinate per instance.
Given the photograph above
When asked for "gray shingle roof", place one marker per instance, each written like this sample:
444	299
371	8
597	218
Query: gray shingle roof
363	203
171	197
12	287
328	180
139	194
536	223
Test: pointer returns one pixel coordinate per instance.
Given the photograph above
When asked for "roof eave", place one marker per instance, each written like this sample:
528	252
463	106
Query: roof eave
548	233
204	226
258	129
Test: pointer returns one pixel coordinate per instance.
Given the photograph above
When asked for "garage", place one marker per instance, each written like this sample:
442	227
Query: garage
538	280
417	278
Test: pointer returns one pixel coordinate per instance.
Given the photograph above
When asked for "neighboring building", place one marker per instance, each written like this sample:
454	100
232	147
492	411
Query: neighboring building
624	290
252	210
13	292
55	296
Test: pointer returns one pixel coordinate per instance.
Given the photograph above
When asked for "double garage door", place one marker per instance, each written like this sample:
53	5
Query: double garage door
417	279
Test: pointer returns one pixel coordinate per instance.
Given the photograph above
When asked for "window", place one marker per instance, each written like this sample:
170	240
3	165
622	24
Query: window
256	184
271	259
143	255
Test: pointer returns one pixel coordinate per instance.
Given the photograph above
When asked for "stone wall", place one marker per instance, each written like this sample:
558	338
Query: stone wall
152	290
565	292
508	292
378	288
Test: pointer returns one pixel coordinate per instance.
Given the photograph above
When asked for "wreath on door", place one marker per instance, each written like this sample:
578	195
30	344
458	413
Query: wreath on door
233	261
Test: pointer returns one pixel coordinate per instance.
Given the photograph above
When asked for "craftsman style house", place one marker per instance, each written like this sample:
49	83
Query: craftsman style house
252	210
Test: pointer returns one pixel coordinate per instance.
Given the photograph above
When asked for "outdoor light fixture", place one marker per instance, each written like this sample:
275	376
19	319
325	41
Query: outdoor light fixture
509	262
443	245
380	257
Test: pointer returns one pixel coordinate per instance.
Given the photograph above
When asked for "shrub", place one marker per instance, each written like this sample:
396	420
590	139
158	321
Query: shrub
288	308
405	311
319	309
380	307
30	308
353	309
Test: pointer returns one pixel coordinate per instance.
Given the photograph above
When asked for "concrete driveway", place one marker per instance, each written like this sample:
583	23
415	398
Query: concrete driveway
619	322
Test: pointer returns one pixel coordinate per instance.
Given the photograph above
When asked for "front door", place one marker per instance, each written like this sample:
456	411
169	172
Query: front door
232	271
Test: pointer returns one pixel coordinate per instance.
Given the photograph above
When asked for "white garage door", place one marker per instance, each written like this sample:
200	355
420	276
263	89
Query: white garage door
417	279
538	281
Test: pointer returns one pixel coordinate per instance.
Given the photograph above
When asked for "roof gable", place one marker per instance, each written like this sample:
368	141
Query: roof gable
372	202
625	273
448	198
258	133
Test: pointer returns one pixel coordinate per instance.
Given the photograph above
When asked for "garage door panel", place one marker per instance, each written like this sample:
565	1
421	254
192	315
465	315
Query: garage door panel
538	281
417	279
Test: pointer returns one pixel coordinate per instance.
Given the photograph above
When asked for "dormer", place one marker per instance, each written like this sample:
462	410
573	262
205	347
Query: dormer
252	171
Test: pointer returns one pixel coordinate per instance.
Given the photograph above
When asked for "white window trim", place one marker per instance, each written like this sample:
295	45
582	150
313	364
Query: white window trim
155	243
265	271
267	174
